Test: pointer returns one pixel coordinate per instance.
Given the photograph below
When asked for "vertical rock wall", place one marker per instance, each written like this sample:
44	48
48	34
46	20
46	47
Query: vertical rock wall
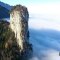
19	24
14	36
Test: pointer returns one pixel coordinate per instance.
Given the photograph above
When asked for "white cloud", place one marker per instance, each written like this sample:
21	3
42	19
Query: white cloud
51	55
44	16
47	55
53	8
44	23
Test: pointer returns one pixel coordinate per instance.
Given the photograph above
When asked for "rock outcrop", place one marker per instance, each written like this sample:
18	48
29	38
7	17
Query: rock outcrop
14	36
19	24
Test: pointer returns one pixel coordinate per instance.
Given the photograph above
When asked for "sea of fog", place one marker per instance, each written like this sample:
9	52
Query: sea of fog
45	37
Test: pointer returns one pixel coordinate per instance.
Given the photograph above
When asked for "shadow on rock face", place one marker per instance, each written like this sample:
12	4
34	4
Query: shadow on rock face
9	49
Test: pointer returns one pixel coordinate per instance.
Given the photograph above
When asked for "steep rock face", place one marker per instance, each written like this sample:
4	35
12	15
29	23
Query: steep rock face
14	36
19	24
9	49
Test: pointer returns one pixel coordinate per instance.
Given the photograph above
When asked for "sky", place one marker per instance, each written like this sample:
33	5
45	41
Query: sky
27	2
38	6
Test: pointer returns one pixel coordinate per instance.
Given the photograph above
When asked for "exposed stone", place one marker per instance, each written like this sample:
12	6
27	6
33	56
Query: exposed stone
19	24
14	37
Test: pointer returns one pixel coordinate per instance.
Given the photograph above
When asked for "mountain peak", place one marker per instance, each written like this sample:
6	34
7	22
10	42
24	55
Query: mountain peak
4	10
5	5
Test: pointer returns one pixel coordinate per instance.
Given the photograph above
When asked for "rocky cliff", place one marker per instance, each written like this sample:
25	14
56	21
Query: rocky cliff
14	36
19	24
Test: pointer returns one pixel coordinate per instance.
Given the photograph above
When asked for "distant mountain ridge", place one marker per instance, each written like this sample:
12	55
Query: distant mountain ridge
5	5
4	10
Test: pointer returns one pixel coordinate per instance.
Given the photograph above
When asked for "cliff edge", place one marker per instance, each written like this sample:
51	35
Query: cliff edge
14	36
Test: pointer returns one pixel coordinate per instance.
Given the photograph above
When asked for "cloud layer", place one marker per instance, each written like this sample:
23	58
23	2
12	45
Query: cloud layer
46	44
45	36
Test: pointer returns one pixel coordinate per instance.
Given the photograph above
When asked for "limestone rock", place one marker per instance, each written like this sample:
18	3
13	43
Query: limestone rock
19	24
14	36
